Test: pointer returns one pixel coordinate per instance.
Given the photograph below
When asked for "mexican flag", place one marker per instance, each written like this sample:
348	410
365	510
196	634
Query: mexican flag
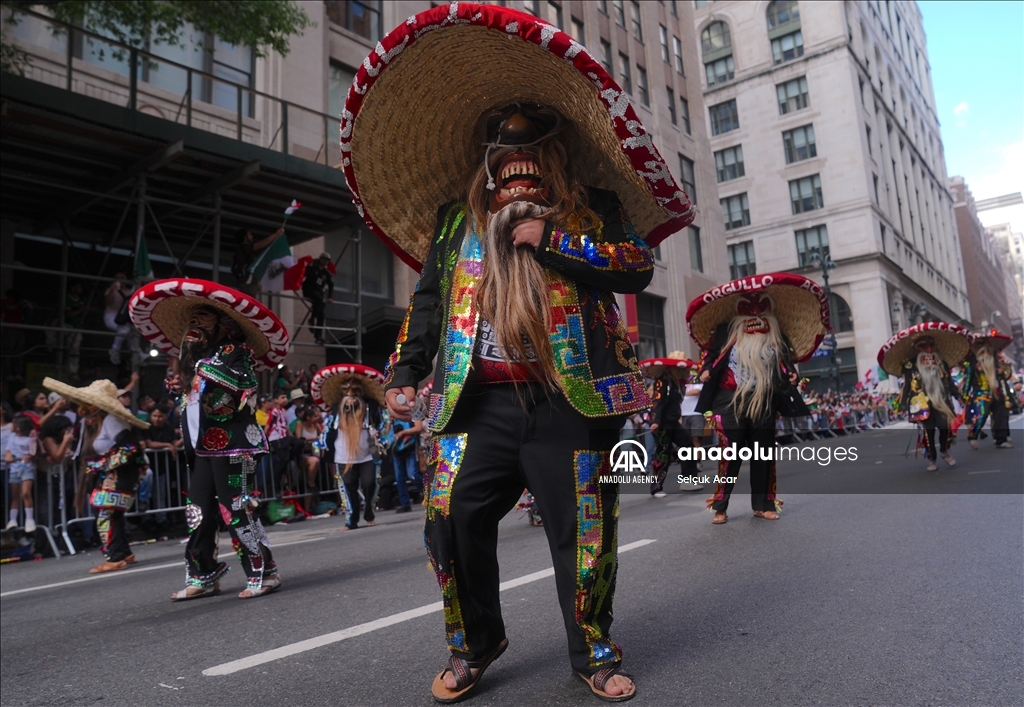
272	263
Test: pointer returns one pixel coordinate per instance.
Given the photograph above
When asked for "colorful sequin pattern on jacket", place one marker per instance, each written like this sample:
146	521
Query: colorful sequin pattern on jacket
594	359
224	389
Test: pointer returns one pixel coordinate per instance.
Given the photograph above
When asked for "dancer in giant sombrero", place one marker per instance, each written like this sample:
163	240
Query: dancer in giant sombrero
753	331
353	396
987	389
491	151
216	338
922	355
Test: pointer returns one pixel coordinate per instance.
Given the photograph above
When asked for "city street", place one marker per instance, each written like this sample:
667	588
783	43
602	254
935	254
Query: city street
908	598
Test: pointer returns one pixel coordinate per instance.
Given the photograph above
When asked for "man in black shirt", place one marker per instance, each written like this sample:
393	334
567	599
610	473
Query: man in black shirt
317	288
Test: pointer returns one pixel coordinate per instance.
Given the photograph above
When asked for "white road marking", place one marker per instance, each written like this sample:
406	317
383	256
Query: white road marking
993	471
353	631
122	573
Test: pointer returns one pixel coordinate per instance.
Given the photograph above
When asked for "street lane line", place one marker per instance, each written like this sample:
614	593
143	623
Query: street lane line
353	631
993	471
122	573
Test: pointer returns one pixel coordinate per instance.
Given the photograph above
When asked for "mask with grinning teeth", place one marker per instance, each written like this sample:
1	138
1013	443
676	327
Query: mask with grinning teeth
517	131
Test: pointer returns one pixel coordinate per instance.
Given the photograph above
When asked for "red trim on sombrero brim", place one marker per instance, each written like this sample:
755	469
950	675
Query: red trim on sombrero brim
148	297
328	372
634	139
670	362
996	341
925	327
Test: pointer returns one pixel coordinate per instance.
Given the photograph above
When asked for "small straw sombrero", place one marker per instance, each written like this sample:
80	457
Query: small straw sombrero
995	340
952	342
99	393
798	303
409	128
327	383
653	367
161	311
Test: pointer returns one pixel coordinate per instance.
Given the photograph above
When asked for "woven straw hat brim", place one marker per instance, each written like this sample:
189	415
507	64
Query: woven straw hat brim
408	129
952	342
800	306
326	385
101	394
995	342
161	310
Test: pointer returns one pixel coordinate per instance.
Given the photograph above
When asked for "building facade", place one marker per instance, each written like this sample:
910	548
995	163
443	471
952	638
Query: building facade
983	259
1011	244
826	142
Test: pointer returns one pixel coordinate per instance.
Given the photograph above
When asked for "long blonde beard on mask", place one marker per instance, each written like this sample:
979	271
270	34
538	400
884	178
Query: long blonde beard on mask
987	363
513	295
931	381
757	358
351	425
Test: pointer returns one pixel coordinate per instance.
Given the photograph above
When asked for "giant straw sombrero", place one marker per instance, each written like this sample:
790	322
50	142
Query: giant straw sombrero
952	342
161	311
326	384
408	130
653	367
798	303
101	394
995	341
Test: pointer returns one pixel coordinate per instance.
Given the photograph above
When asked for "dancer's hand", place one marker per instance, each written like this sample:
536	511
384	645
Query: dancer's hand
528	232
704	376
654	427
400	411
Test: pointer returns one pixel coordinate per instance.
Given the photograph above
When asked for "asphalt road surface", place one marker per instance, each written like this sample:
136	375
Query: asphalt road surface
912	596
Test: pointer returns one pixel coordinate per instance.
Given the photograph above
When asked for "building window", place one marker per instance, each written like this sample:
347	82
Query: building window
720	71
638	30
650	315
620	12
700	3
741	260
696	252
673	8
663	38
689	182
641	85
729	163
782	12
625	76
724	117
602	6
799	144
870	150
555	14
672	106
715	38
532	6
787	47
339	80
677	52
841	316
577	31
805	194
792	95
716	47
809	239
606	56
735	211
359	16
685	105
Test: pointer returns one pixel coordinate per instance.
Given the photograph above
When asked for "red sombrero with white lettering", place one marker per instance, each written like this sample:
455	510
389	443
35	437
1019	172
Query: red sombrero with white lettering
952	342
328	381
408	128
161	311
995	341
798	303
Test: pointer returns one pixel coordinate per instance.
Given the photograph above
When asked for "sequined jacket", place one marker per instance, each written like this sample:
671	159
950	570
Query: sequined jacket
594	359
912	386
978	387
220	418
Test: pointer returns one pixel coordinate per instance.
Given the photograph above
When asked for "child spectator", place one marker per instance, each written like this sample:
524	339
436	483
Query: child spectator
20	453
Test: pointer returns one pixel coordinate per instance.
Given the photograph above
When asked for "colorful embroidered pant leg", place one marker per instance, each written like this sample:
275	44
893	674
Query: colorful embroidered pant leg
220	496
978	413
491	449
112	500
667	440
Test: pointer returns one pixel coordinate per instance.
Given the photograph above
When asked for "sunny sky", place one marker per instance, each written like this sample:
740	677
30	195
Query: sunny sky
976	50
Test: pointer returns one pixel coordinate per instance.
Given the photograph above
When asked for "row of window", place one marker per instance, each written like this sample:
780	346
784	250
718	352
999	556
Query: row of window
792	96
804	195
798	144
808	242
784	34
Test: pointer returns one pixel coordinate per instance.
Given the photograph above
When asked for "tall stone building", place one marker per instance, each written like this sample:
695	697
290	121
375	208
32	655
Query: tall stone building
822	121
983	259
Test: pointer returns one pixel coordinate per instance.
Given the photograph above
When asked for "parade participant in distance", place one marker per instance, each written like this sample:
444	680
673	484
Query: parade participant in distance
120	460
752	332
669	374
216	338
987	389
355	433
922	355
547	185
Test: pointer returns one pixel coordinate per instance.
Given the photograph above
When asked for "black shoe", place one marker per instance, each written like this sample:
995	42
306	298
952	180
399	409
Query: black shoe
403	509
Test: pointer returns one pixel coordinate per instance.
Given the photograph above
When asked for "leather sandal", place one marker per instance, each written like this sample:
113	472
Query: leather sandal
599	680
462	669
108	566
271	584
719	519
196	592
767	515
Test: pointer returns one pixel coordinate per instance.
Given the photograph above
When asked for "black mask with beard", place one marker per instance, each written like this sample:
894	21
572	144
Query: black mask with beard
196	345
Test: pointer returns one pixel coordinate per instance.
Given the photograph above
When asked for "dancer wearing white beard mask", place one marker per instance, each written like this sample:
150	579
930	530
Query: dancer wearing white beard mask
987	390
922	355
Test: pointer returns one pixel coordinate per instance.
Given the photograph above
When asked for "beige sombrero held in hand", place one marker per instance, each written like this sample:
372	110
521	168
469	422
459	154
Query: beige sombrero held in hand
101	394
409	135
